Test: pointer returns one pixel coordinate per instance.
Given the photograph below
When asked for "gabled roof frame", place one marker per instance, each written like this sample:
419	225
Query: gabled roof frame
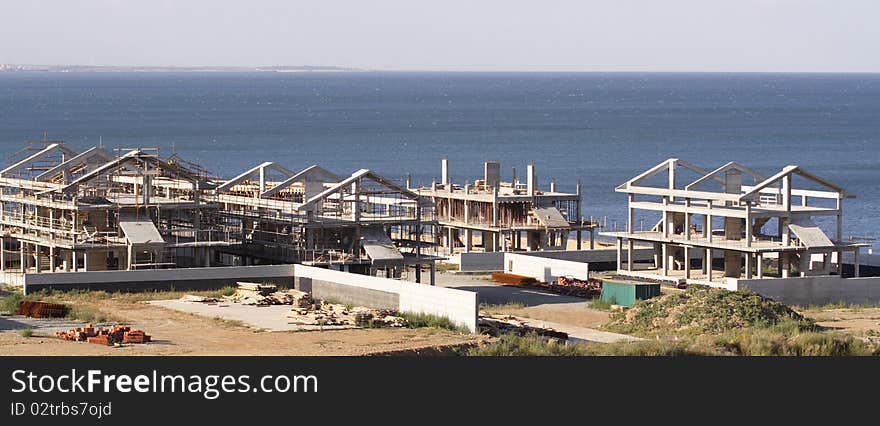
360	174
313	172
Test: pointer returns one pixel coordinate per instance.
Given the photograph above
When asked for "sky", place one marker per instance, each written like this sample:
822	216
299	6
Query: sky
449	35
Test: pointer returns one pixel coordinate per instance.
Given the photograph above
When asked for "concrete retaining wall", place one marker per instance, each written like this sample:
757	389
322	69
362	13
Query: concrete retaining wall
544	269
820	290
599	259
458	305
160	279
474	262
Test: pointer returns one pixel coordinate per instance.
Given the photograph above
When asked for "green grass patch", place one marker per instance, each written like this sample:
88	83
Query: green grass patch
446	267
502	306
28	332
420	320
530	345
602	305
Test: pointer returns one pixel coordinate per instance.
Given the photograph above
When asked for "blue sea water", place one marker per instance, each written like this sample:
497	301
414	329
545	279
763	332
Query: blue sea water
599	128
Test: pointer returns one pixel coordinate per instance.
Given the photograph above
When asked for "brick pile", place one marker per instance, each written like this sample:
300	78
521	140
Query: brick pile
40	309
106	336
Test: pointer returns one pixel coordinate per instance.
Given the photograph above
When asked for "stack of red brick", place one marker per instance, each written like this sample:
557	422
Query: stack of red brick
40	309
105	335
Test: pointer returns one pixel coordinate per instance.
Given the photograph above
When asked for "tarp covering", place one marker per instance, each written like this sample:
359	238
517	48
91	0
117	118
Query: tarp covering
809	233
140	230
550	217
379	246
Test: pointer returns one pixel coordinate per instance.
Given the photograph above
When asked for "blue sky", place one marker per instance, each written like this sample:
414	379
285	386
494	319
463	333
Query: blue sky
490	35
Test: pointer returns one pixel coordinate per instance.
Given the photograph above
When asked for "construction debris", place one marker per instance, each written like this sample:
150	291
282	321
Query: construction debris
197	299
106	336
41	309
567	286
512	279
325	313
496	325
306	310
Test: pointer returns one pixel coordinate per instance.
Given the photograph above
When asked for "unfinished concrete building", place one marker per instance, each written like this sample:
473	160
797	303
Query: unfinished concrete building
362	223
506	216
759	225
64	211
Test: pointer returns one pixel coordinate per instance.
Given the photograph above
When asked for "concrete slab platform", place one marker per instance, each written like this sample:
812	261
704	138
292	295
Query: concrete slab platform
269	318
47	326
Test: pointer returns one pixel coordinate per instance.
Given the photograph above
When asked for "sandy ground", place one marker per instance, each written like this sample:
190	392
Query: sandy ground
526	302
853	320
177	333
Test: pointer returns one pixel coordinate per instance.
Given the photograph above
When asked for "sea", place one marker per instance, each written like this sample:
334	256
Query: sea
597	128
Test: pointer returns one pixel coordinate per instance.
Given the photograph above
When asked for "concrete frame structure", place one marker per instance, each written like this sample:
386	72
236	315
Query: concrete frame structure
503	213
92	211
66	211
362	223
689	215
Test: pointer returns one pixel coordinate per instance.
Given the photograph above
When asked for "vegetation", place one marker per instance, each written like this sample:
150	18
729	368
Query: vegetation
420	320
503	306
602	305
701	321
531	345
446	267
28	332
701	310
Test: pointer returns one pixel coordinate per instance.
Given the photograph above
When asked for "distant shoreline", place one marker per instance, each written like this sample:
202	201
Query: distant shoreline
159	69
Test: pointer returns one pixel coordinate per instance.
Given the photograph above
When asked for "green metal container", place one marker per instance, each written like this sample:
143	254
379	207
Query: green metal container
627	293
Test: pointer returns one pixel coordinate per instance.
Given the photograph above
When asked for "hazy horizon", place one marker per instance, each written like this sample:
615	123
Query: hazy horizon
807	36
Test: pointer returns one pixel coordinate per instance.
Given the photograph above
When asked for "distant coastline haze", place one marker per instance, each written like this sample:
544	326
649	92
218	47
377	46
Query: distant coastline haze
453	35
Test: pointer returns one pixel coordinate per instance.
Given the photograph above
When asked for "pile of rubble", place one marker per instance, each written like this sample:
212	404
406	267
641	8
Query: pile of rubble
497	325
325	313
106	336
41	309
257	295
306	310
567	286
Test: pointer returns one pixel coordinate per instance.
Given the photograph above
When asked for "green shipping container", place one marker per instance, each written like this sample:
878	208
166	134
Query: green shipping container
627	293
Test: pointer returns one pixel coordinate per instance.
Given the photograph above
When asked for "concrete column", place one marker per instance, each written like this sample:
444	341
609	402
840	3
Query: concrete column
592	239
856	263
619	254
687	262
804	264
2	254
86	261
665	259
748	266
784	265
433	272
630	255
22	256
630	226
578	239
707	263
450	241
748	225
37	263
468	240
73	260
759	263
51	259
708	222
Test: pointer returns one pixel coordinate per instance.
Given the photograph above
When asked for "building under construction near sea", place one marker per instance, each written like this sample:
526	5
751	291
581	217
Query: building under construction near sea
131	209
